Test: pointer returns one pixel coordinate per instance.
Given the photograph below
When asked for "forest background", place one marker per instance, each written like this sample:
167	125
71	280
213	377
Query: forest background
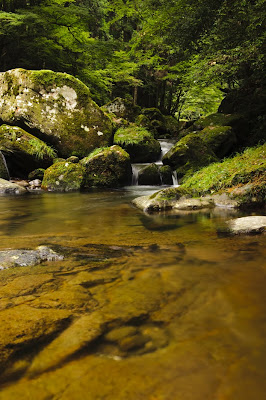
181	56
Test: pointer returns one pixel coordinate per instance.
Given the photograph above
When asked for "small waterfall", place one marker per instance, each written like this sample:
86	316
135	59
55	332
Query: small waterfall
166	145
5	164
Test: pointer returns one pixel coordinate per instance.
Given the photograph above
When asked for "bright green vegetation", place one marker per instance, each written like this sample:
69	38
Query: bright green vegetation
132	135
41	149
63	177
138	143
14	139
249	166
189	154
173	55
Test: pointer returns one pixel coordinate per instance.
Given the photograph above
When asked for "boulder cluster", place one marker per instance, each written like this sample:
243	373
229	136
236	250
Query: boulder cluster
54	137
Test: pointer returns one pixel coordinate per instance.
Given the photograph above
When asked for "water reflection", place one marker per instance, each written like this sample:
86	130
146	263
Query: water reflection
142	307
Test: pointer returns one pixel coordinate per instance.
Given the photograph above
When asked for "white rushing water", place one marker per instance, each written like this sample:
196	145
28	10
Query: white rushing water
166	145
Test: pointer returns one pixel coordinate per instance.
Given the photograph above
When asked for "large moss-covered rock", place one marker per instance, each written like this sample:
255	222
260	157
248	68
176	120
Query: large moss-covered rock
149	175
23	151
138	143
220	119
107	167
188	155
63	177
4	174
220	139
57	106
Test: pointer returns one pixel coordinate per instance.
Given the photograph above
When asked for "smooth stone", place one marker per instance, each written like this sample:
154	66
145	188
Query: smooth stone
25	258
247	225
7	187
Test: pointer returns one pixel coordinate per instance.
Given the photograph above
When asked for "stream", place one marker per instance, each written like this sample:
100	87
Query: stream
142	307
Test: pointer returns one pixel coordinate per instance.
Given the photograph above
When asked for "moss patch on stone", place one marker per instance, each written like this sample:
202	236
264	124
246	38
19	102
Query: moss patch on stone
220	139
188	155
107	167
139	143
58	107
63	177
24	152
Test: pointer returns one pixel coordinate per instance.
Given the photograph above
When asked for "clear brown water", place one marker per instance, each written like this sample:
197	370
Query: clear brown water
142	307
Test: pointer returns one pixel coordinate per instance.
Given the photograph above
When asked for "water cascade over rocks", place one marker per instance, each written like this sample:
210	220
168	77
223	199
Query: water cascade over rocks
166	145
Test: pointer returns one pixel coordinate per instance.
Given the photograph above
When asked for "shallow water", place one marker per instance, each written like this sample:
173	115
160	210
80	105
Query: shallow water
155	307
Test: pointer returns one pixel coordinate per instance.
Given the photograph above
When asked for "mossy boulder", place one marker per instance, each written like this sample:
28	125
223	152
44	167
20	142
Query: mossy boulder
23	151
220	139
188	155
166	175
36	174
149	175
138	143
57	106
107	167
219	119
161	125
63	177
4	174
237	182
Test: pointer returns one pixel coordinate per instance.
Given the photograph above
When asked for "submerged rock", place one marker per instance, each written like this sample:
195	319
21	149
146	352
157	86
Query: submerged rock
63	177
107	167
7	187
57	106
138	143
25	258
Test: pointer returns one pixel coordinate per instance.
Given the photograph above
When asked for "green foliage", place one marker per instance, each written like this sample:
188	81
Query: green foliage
40	149
232	171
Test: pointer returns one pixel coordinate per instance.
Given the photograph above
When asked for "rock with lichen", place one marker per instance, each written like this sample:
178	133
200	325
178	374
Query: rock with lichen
63	177
107	167
57	107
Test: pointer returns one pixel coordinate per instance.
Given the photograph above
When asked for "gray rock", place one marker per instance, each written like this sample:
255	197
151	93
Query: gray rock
25	258
7	187
247	225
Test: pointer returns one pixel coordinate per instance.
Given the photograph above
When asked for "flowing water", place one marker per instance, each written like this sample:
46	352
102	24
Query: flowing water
166	145
143	307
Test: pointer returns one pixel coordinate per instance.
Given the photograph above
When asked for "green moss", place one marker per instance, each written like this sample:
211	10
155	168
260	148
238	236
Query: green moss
49	79
220	139
189	154
63	177
139	143
218	119
241	169
13	138
107	167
